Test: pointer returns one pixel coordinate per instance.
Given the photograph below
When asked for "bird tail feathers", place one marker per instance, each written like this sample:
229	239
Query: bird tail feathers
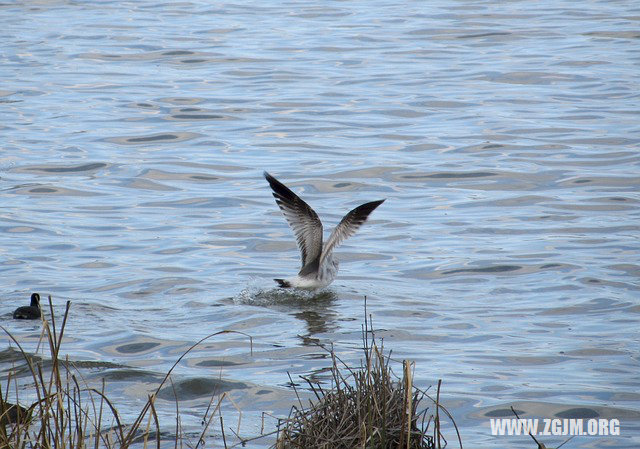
282	283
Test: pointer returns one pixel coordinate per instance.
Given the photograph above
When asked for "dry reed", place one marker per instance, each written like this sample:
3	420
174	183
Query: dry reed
367	407
68	414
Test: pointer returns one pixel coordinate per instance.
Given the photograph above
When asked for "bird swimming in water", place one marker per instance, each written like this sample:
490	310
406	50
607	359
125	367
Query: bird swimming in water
319	268
31	312
13	413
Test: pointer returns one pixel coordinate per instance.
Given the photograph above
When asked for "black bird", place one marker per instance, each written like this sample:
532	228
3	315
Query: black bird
13	413
31	312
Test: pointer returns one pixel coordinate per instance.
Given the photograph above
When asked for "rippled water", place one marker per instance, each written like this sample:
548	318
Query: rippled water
503	135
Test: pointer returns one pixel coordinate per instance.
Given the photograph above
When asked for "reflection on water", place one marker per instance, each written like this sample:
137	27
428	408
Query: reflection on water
503	135
312	307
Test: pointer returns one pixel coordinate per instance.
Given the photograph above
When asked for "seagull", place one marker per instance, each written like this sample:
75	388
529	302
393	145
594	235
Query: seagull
319	268
31	312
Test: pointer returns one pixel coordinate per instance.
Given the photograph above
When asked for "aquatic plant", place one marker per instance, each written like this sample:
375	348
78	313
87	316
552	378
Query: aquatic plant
69	414
366	407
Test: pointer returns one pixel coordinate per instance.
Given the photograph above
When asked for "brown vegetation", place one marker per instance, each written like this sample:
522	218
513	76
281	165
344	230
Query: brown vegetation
368	407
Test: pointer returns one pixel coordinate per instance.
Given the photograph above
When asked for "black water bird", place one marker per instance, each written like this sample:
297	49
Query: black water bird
13	413
31	312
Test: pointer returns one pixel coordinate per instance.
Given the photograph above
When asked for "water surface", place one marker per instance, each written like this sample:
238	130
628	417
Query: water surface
503	136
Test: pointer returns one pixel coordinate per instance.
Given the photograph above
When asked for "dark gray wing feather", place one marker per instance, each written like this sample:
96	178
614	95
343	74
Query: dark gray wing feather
348	226
305	223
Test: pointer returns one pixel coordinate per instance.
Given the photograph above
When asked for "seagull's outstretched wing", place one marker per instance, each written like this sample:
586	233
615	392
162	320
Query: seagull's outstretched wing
348	226
305	223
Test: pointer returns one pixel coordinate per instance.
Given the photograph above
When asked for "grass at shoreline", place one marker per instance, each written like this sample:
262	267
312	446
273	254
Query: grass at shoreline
366	407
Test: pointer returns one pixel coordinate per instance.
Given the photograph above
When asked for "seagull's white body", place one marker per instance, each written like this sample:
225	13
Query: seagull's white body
319	268
325	276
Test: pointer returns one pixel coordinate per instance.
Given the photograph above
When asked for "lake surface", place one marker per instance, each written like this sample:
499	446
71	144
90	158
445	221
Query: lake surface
503	135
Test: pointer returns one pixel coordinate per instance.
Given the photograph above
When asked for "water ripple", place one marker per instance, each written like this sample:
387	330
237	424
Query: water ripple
504	136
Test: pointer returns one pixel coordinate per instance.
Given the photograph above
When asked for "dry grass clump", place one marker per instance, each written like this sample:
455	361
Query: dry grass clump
68	414
367	407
